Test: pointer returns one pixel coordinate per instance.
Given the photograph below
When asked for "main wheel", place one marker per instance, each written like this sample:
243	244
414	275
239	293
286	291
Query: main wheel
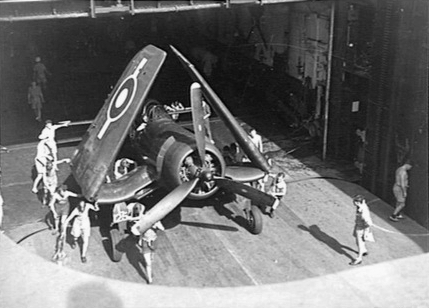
115	238
255	220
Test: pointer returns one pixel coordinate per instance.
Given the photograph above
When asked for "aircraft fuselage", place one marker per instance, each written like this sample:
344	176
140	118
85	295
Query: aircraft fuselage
166	145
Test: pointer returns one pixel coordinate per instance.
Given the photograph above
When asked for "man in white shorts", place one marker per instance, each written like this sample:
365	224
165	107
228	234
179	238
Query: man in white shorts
400	190
81	225
48	132
146	243
50	179
44	154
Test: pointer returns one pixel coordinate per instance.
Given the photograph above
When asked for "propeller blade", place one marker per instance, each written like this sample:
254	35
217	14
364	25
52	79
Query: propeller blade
164	207
198	119
231	123
243	174
257	196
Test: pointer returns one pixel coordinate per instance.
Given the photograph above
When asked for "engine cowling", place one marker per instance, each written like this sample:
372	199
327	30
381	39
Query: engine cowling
181	163
169	147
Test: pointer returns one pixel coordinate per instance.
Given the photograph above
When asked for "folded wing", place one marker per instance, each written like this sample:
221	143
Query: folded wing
106	134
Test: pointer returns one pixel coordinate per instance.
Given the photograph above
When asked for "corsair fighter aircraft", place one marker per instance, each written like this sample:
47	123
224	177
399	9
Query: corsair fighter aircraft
185	163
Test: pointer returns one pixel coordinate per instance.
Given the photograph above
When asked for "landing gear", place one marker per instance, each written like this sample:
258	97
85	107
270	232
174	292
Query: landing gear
123	218
254	220
115	238
117	231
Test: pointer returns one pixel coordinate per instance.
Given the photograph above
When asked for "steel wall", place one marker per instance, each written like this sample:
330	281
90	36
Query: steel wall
397	112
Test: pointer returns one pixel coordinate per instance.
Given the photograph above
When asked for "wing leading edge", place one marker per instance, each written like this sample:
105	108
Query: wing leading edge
104	138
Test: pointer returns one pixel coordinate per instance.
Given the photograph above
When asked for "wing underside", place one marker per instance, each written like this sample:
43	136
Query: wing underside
133	185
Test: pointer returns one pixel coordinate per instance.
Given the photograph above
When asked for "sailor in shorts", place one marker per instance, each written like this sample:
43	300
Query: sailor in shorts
50	179
400	190
44	154
278	190
147	244
81	225
48	132
60	206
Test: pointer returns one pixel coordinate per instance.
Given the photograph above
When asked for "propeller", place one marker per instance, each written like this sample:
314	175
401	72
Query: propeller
257	196
198	119
203	174
235	176
243	174
176	196
164	207
231	123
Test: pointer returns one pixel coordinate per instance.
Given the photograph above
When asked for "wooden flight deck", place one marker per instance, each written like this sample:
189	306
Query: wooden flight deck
310	235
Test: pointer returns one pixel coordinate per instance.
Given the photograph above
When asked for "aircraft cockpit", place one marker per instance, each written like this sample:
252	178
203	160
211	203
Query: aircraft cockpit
154	111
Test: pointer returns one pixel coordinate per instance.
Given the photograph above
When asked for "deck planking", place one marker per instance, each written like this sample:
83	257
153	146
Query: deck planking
310	235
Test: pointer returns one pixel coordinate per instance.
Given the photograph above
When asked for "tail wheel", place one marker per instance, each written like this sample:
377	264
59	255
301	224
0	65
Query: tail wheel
115	238
255	221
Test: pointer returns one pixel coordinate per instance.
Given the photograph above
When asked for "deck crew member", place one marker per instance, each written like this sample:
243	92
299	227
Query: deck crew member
60	206
81	225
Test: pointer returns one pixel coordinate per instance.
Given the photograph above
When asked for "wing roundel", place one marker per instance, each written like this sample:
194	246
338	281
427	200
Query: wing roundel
105	136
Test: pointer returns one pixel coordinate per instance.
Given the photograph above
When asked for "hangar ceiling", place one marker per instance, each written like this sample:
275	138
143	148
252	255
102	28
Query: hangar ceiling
13	10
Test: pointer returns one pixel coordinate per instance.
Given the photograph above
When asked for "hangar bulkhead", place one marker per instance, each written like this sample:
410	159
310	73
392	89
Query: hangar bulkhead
347	64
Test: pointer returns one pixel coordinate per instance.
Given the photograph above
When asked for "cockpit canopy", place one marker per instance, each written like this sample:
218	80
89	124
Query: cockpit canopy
153	110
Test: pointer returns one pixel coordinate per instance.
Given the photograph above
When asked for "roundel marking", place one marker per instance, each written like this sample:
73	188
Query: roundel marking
122	99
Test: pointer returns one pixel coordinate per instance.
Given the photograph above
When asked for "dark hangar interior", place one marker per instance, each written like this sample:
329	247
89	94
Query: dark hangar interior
349	64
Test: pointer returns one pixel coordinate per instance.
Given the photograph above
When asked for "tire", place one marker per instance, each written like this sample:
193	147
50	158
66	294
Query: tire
115	238
255	221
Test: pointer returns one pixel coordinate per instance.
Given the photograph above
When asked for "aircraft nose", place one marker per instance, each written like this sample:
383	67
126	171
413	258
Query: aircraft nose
207	176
